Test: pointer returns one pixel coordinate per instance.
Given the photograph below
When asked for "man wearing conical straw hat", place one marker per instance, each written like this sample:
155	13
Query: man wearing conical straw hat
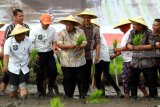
156	34
124	25
18	18
16	59
92	33
72	56
44	38
103	66
142	61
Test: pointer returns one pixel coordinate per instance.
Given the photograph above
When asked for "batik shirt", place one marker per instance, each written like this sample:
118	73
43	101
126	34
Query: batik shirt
142	59
93	38
71	57
157	51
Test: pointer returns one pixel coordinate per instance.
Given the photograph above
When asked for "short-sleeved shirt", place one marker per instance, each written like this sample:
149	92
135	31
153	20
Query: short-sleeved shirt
10	28
93	38
71	57
142	59
104	51
126	55
42	39
18	54
157	51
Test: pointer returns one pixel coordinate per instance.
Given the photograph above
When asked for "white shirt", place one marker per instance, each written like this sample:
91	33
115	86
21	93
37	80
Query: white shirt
18	54
42	39
104	51
126	55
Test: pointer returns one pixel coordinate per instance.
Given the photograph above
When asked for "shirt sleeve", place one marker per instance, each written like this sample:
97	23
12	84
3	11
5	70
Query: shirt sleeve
7	47
54	35
32	36
6	34
30	45
130	38
59	38
28	28
151	39
97	36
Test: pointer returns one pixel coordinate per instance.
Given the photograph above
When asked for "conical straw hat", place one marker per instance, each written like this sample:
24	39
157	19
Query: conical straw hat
93	21
2	24
122	22
139	20
71	19
18	30
87	12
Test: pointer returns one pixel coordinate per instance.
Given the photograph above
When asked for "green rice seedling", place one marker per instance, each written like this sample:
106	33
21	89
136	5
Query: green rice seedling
137	39
59	68
96	97
1	64
32	57
115	42
33	54
80	40
56	102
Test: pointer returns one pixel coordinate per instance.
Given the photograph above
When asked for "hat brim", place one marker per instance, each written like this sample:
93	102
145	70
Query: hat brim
1	25
119	25
64	22
16	33
138	22
92	16
46	22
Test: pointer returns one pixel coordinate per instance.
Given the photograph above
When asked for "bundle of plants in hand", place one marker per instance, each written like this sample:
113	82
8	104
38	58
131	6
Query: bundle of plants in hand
56	102
80	40
115	42
137	39
96	97
33	56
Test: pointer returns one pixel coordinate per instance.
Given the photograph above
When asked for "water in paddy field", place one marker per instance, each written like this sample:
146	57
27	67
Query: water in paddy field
109	11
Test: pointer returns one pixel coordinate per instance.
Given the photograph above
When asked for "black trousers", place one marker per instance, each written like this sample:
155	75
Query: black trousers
46	61
5	78
87	75
71	76
103	66
149	76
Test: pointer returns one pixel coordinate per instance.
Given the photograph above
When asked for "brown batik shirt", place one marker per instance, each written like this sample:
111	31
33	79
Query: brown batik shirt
157	51
93	38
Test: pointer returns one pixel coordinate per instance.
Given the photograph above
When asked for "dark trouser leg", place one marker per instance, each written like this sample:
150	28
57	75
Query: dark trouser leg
52	71
40	72
5	81
108	76
68	81
79	73
97	76
87	75
156	75
133	81
150	78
